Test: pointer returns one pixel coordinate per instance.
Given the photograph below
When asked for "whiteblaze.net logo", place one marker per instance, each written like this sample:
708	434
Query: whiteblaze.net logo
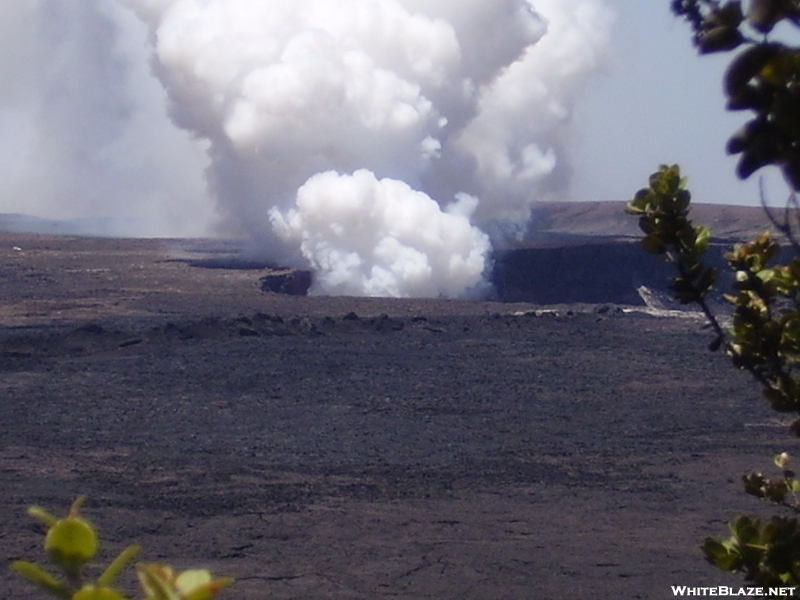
724	590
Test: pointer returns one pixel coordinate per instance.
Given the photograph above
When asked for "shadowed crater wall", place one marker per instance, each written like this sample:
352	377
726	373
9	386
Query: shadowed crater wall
589	252
593	272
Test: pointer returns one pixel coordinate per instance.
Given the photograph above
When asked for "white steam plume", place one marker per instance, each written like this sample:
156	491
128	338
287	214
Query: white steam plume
405	244
369	139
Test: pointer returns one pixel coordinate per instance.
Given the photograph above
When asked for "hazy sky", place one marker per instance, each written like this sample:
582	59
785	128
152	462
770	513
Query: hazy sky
659	102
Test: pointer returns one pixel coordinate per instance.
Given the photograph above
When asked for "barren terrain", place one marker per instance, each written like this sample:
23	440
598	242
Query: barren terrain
363	448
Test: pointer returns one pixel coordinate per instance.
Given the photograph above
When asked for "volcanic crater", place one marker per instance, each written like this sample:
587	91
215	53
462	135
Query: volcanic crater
564	439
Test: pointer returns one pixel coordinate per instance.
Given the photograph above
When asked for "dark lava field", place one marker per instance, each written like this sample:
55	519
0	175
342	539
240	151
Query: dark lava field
562	441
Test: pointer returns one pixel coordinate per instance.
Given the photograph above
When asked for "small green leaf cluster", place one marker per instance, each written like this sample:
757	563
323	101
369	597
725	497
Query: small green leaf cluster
72	542
782	491
663	211
722	25
763	78
766	554
766	322
716	25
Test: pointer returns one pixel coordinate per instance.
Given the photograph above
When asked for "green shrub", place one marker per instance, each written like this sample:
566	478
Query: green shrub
763	78
764	340
71	542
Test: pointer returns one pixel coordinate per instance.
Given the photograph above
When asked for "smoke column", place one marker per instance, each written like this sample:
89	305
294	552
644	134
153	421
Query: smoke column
376	141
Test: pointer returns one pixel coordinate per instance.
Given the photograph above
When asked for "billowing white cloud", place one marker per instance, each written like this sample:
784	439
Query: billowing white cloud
365	236
367	139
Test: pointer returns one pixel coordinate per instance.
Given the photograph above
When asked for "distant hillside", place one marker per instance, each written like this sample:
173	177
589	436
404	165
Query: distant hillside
557	222
100	227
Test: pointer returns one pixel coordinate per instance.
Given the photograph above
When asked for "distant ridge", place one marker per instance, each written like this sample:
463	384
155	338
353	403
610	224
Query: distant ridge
99	227
572	222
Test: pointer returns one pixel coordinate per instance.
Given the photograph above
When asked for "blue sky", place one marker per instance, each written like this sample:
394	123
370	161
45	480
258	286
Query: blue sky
659	102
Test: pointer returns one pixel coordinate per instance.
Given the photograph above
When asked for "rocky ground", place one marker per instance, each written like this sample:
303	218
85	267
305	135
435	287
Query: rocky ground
363	448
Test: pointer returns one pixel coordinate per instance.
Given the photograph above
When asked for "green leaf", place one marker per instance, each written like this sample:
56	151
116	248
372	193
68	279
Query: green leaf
720	555
653	244
766	275
75	508
720	39
114	569
71	543
198	585
157	582
92	592
781	460
706	280
763	15
35	574
638	205
746	65
43	516
740	523
647	226
160	583
191	579
702	238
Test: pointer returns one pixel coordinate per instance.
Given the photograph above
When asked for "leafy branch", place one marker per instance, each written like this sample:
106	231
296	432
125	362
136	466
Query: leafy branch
764	340
764	77
72	542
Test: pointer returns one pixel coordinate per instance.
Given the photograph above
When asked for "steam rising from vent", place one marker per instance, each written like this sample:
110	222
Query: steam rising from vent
372	140
382	238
